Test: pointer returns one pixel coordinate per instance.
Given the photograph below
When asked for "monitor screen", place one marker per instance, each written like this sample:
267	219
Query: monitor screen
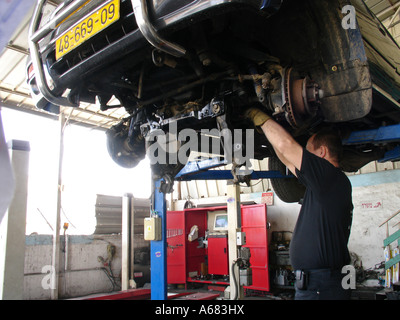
221	222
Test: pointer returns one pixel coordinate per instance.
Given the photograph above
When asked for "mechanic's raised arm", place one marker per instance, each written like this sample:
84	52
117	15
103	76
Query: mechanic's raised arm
286	148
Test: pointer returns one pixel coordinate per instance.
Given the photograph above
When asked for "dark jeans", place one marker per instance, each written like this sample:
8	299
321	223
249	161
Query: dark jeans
323	285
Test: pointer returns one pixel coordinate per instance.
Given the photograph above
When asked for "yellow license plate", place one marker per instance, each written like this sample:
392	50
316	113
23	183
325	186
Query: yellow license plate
87	28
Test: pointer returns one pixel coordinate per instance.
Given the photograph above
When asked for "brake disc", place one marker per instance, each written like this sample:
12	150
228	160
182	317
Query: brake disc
302	98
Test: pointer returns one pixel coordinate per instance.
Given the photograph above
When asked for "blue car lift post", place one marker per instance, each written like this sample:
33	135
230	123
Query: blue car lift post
196	170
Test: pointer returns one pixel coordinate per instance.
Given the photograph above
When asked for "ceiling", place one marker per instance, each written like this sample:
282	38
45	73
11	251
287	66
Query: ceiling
14	92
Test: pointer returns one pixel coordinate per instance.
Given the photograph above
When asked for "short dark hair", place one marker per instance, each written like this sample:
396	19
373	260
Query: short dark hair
331	139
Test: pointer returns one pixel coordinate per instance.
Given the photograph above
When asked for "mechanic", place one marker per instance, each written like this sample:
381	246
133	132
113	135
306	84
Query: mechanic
318	250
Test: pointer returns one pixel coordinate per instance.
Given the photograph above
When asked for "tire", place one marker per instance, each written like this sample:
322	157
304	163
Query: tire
289	190
126	155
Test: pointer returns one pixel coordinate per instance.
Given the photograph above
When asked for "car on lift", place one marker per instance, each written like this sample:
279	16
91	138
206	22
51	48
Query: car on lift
201	64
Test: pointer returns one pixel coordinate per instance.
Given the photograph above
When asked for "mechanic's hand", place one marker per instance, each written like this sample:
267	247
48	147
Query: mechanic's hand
257	116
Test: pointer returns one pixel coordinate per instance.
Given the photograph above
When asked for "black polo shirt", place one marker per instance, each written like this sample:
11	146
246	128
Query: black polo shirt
323	227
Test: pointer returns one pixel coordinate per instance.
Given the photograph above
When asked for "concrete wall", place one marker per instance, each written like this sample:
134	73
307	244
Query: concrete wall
376	197
80	276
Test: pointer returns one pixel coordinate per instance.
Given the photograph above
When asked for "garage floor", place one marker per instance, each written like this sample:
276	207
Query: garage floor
204	293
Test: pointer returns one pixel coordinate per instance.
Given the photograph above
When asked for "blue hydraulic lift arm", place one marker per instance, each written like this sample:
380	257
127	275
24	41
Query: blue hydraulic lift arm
200	170
227	175
380	135
387	134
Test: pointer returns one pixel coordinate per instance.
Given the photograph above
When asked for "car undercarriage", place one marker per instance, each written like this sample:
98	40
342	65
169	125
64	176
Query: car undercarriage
199	65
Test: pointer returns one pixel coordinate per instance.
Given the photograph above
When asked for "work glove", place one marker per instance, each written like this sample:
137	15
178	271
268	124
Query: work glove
257	116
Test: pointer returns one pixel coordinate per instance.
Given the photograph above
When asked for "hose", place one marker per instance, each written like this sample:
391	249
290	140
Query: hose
110	276
107	266
234	279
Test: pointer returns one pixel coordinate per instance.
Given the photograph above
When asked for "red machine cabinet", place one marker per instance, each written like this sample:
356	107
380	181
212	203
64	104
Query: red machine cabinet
218	254
254	224
176	247
184	257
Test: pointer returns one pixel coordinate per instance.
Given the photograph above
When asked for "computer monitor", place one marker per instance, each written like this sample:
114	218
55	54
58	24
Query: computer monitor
221	222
